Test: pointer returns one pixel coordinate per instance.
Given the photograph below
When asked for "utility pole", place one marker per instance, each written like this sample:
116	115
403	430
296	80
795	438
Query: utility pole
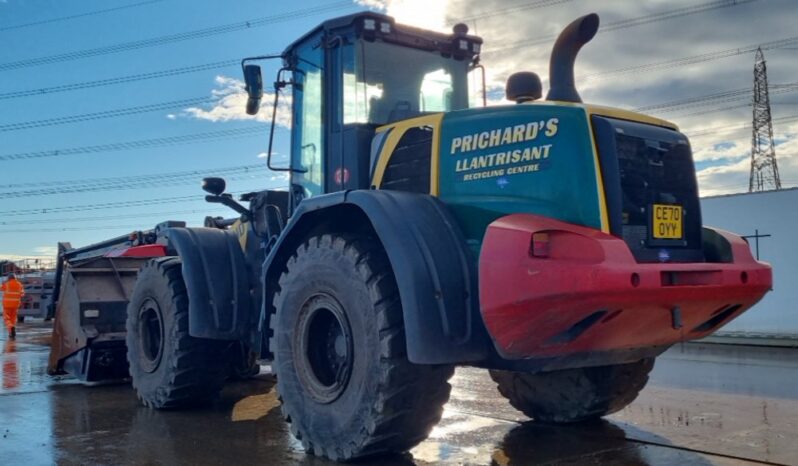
764	170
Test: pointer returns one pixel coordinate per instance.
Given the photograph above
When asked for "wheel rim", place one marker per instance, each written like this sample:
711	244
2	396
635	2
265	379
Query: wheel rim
150	323
324	353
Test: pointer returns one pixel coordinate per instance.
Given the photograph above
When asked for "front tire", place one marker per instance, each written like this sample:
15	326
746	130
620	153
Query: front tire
169	368
346	386
574	395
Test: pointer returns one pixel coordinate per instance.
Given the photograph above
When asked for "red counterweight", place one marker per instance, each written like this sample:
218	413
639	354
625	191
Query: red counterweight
549	288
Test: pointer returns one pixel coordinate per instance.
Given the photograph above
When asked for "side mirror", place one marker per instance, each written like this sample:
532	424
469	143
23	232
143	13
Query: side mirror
215	186
254	85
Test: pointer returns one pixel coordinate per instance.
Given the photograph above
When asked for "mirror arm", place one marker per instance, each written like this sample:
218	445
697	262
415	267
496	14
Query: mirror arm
262	57
228	201
279	84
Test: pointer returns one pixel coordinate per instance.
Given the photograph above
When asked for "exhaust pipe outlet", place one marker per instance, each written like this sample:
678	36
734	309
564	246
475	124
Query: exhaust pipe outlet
563	55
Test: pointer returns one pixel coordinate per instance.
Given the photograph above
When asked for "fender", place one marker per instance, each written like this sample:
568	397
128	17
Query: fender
435	272
217	281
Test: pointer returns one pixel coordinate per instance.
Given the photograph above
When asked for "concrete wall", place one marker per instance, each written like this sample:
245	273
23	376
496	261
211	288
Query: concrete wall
773	213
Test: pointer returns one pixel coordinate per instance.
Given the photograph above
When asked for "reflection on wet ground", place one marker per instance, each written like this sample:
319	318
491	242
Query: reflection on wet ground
705	405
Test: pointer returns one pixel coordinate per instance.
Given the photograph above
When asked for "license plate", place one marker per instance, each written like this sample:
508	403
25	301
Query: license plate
667	221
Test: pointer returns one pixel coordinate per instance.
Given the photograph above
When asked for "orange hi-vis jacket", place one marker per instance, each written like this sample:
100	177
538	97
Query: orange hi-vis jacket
13	291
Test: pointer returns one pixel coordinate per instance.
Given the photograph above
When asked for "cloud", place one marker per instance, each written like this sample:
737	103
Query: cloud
727	165
20	257
519	37
422	13
50	251
232	104
42	253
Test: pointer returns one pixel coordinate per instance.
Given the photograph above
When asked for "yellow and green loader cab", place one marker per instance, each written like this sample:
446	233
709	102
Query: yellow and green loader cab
364	119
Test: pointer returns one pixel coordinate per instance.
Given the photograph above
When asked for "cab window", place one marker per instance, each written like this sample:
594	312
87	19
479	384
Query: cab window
377	91
308	145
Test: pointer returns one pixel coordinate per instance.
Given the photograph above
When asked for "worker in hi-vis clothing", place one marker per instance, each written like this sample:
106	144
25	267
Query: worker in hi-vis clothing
13	291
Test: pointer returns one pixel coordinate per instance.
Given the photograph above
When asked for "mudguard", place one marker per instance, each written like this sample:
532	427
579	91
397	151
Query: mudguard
217	281
435	272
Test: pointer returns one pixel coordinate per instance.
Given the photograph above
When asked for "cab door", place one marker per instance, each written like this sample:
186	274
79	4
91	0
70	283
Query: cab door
307	140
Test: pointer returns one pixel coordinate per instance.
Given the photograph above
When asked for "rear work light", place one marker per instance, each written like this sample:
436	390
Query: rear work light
540	245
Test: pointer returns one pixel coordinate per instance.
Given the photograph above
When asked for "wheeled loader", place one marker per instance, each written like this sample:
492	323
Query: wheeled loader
555	243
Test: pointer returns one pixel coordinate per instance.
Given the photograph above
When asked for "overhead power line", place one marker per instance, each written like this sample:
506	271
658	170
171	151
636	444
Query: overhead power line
119	80
727	128
631	22
173	105
160	215
127	179
219	64
512	9
711	110
164	183
693	59
247	131
126	182
725	96
173	38
80	15
712	99
81	228
100	206
175	200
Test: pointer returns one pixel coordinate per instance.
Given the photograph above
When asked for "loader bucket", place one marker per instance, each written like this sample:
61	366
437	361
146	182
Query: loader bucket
89	331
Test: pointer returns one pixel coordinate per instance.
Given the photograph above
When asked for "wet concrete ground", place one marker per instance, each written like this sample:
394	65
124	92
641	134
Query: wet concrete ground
705	405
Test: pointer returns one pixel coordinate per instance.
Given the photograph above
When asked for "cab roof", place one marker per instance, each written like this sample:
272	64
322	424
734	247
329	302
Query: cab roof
354	26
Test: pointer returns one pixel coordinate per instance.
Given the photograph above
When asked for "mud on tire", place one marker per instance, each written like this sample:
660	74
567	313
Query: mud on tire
169	368
574	395
346	386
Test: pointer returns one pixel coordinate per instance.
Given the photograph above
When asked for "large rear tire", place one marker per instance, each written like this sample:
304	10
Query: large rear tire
574	395
346	386
169	368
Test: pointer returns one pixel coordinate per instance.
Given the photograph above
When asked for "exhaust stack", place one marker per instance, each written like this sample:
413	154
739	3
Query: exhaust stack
563	55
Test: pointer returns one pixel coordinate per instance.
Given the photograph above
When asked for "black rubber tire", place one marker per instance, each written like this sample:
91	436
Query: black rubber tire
189	371
574	395
387	405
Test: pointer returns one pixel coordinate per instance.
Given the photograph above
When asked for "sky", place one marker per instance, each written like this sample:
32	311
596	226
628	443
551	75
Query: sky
167	70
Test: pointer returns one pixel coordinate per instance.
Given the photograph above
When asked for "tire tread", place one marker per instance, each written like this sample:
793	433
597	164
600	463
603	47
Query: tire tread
197	369
574	395
411	397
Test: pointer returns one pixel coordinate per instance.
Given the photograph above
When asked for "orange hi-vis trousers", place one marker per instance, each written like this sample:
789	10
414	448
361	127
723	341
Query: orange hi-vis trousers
10	316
